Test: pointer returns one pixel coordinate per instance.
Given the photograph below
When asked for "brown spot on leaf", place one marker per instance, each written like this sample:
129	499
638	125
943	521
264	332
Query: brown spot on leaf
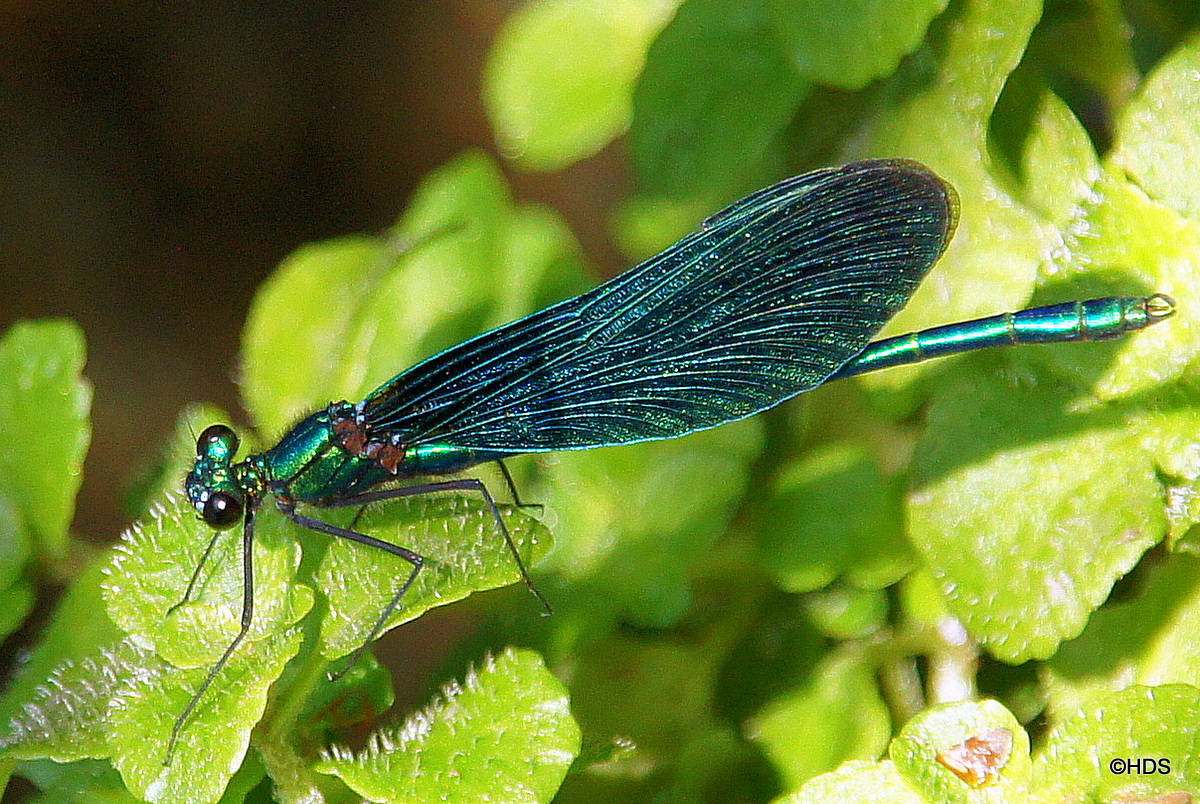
979	759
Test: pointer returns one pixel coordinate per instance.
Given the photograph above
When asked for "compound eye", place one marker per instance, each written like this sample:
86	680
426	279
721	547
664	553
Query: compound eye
222	510
217	442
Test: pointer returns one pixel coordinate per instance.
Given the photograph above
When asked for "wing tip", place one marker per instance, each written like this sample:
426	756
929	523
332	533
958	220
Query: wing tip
916	177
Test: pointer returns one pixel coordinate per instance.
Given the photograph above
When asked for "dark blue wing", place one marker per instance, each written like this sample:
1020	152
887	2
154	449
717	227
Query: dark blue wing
766	300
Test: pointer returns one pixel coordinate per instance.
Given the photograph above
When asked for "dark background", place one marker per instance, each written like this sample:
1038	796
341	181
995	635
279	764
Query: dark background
157	161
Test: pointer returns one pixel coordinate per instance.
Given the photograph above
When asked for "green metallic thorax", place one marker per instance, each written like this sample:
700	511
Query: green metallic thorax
310	463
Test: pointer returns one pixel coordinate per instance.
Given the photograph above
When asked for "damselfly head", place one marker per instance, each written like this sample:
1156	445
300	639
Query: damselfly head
211	485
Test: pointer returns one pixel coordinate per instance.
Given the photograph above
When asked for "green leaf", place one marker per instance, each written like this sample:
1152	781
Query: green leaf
360	694
939	115
242	785
122	703
78	630
151	567
1041	475
558	81
494	263
295	336
643	226
439	294
1024	528
1158	141
460	207
653	697
924	753
16	590
339	318
44	429
542	264
85	781
1105	72
67	717
14	544
832	513
464	552
16	601
463	226
922	601
857	782
505	734
144	582
836	716
1169	428
848	44
635	519
706	136
1059	159
1152	639
1021	603
1140	722
843	612
214	739
1121	242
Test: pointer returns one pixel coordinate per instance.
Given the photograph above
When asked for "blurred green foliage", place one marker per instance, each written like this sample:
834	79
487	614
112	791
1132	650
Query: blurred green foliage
884	592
